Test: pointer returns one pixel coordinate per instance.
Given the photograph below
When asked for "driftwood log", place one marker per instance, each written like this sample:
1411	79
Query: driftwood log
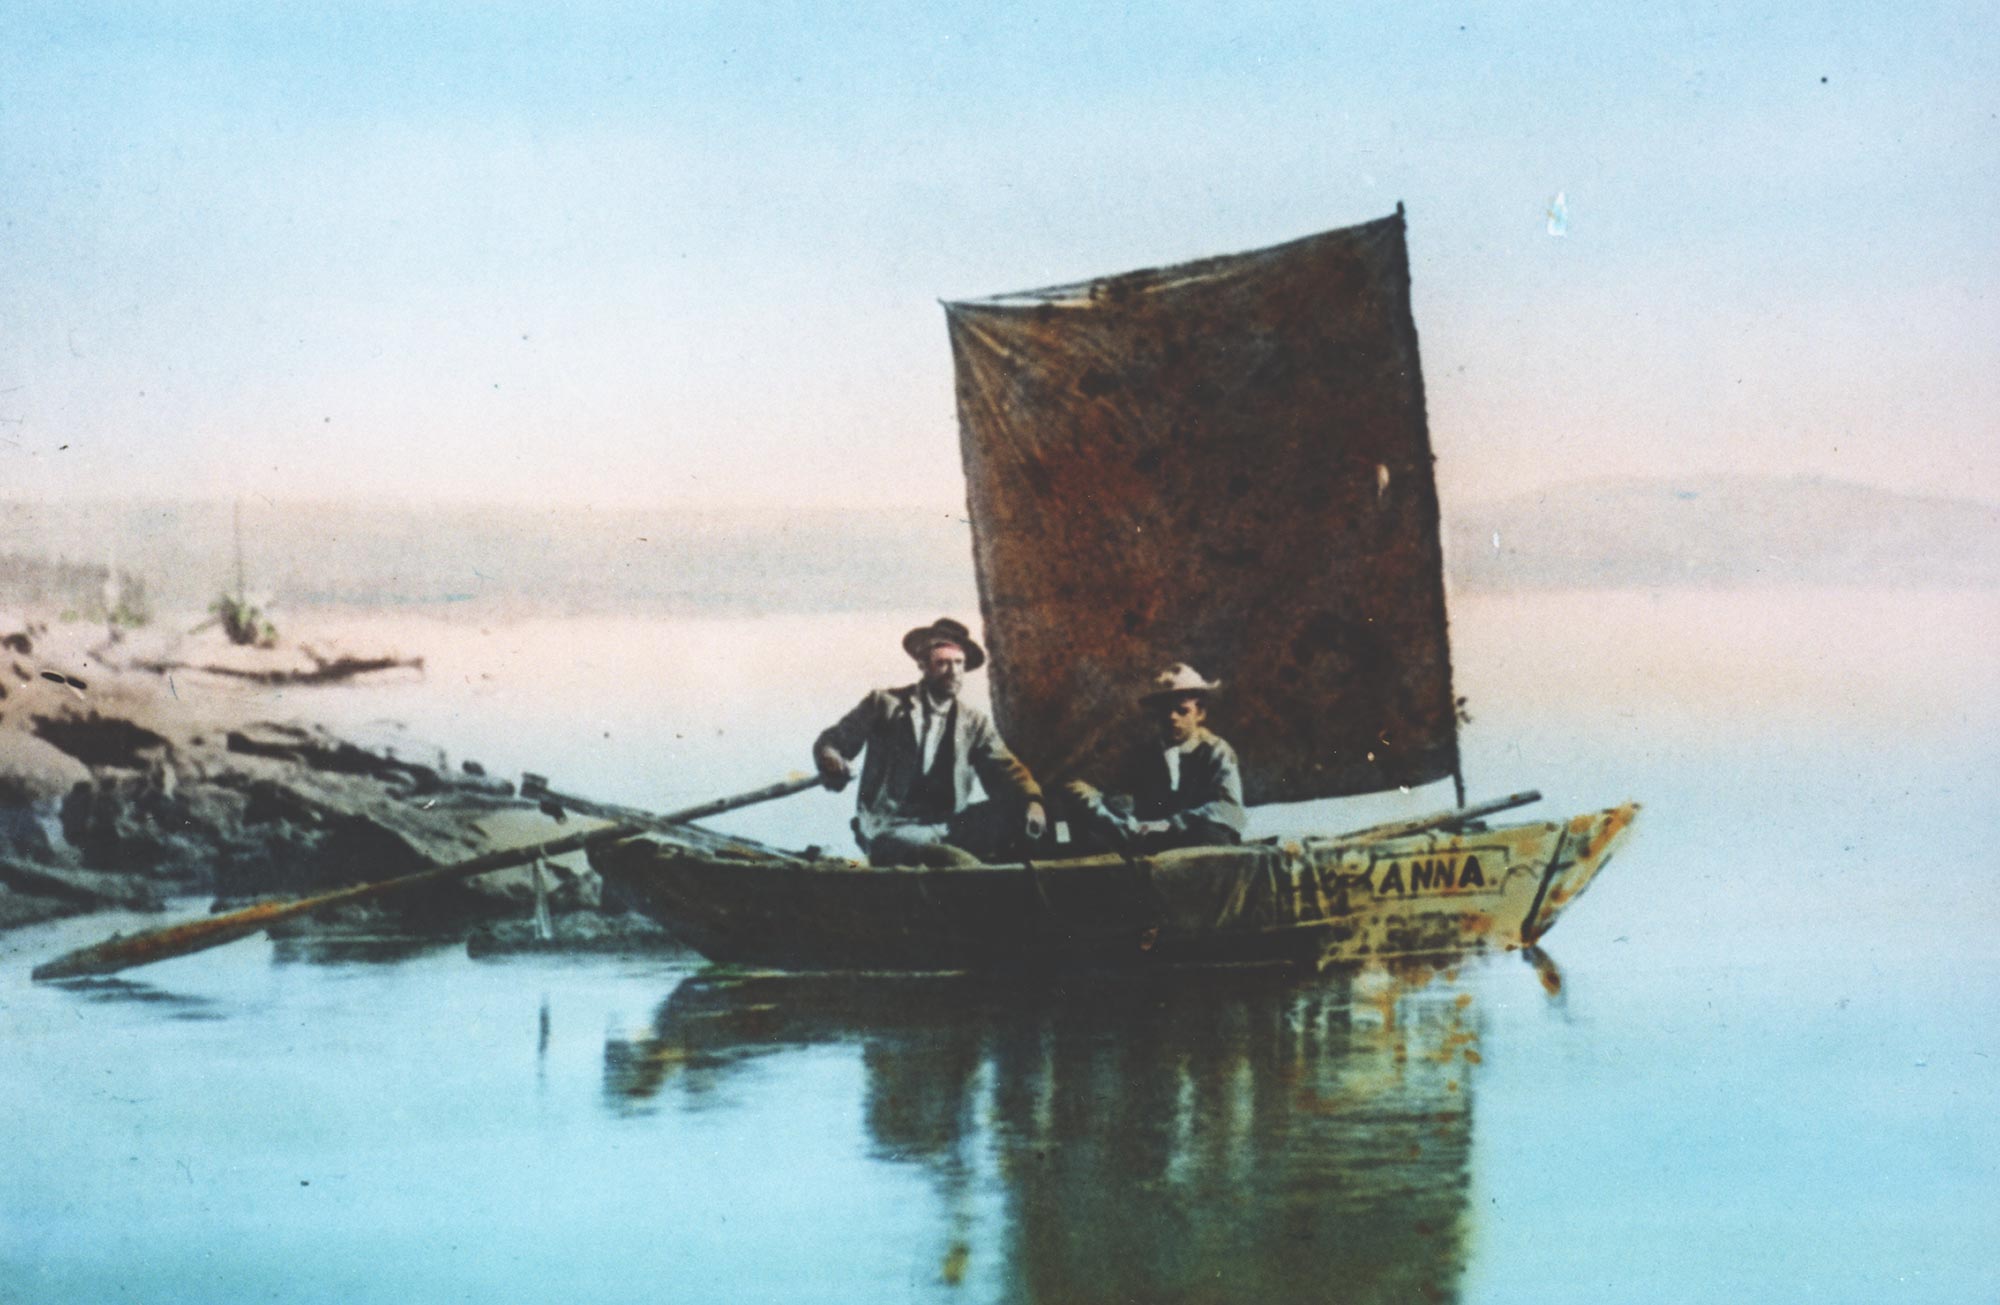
324	670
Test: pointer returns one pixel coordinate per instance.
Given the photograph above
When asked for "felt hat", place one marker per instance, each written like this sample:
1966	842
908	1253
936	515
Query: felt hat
1177	681
919	642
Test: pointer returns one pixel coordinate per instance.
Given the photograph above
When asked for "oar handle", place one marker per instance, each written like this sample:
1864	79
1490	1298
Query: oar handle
537	786
770	792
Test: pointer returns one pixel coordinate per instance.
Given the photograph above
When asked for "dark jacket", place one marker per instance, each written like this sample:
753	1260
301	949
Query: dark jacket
1206	807
886	723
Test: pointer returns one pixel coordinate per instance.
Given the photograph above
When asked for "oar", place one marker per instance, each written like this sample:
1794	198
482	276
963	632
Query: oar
123	951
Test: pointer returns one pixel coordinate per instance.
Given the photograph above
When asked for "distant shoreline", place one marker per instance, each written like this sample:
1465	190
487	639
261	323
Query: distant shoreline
1712	532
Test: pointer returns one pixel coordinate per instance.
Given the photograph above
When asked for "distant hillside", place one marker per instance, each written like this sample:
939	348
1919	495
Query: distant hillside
1722	531
561	560
1702	531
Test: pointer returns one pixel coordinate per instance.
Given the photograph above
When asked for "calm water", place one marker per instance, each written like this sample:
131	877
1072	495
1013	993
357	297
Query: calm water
1758	1063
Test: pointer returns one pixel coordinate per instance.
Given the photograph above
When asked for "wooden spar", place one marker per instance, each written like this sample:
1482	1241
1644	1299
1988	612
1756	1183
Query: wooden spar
124	951
325	669
1441	819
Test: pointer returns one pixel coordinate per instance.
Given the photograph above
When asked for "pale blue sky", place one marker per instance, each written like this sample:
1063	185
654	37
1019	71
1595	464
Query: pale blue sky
630	254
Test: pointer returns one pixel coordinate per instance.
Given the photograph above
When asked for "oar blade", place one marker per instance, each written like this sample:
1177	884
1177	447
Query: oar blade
123	951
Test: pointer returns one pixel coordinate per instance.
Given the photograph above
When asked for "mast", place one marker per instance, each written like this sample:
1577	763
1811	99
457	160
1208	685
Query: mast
237	524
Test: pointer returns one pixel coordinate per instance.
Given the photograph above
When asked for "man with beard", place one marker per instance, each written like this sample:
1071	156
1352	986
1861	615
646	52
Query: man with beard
925	747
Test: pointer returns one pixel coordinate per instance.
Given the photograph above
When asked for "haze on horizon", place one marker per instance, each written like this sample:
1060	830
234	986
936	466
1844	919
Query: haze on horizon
625	254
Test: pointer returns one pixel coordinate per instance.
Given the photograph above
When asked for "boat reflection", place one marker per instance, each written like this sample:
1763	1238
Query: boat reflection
1199	1136
354	949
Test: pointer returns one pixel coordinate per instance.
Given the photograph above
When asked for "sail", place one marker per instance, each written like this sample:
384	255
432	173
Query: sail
1223	463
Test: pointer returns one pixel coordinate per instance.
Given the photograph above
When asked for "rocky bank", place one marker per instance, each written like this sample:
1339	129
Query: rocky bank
117	791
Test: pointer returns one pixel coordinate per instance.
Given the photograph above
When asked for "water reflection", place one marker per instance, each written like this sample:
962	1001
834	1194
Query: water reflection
1160	1138
118	990
354	949
1549	975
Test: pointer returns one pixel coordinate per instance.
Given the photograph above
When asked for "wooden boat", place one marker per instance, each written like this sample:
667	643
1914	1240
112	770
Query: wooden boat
1304	903
1225	463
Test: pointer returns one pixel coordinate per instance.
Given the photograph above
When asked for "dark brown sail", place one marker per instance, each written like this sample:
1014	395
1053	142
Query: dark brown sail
1224	463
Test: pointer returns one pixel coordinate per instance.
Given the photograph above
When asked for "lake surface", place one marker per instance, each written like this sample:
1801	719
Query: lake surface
1757	1063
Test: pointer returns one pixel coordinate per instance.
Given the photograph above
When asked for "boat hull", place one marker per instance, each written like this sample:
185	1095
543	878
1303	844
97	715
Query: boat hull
1306	903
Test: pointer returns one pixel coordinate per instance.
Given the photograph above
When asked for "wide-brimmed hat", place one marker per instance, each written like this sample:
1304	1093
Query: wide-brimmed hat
1178	681
919	642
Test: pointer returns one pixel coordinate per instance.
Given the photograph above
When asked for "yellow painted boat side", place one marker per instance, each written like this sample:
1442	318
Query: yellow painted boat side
1439	892
1589	841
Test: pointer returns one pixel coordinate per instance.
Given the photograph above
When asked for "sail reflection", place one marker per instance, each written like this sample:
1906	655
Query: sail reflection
1160	1138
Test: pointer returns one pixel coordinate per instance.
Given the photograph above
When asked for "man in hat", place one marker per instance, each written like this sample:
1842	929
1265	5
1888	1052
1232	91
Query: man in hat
924	747
1183	788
